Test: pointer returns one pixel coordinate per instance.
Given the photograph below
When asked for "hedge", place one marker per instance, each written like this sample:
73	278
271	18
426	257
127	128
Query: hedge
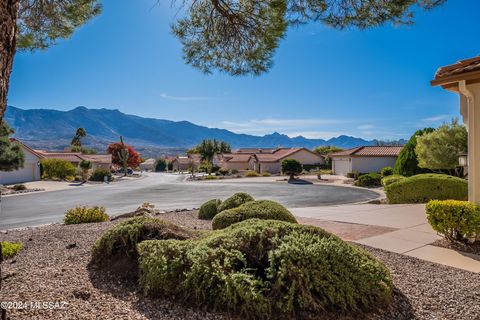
425	187
388	180
262	209
234	201
265	269
369	180
209	209
116	248
455	220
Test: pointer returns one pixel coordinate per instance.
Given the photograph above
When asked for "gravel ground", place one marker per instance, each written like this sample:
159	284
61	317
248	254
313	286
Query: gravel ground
468	248
45	270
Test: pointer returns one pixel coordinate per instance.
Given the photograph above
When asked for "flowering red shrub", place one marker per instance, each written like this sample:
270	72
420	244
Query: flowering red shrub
133	156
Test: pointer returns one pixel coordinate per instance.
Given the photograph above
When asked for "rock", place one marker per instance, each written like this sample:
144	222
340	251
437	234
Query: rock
71	246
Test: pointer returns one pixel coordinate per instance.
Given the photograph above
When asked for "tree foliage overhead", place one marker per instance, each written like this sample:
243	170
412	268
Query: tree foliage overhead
41	23
407	162
240	37
439	149
11	154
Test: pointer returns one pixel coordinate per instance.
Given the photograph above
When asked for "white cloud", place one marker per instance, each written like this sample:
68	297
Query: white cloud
184	98
365	127
437	118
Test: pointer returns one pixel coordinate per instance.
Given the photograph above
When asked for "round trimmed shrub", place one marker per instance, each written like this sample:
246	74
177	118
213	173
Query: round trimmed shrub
85	215
234	201
387	171
388	180
369	180
425	187
117	247
99	174
267	269
209	209
455	220
9	249
261	209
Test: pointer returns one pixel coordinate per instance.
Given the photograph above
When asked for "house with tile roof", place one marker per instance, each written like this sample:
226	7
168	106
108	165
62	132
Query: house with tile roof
103	161
29	172
364	159
269	160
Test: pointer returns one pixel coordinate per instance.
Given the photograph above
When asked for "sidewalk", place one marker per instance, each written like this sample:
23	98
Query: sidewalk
397	228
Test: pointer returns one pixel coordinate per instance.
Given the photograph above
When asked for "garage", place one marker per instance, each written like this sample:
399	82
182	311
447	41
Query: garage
341	166
29	172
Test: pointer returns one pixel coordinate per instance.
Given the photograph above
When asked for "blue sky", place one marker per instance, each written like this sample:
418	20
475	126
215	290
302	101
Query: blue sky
370	84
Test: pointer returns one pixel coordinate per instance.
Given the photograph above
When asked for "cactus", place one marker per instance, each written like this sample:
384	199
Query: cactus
123	155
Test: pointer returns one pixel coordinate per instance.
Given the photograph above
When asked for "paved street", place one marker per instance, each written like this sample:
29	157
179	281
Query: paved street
166	191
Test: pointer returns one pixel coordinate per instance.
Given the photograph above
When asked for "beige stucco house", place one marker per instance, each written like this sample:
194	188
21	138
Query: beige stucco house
30	170
103	161
364	159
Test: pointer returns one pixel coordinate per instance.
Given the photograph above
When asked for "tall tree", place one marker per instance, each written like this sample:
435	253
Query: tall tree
115	149
209	148
407	161
439	149
11	155
79	134
36	24
240	37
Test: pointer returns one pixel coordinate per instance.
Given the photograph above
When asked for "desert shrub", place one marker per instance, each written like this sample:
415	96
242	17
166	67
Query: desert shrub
387	171
455	220
209	209
388	180
234	171
116	248
85	215
57	169
261	209
9	249
161	165
351	175
19	187
369	180
234	201
250	173
425	187
291	167
223	171
210	177
266	174
266	269
100	173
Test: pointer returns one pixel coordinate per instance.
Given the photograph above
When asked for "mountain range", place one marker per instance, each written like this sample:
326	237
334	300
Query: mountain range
53	129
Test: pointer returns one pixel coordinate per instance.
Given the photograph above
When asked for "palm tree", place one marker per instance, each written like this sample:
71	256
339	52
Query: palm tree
80	133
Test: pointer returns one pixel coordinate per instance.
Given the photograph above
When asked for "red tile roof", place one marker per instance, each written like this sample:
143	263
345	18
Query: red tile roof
462	70
77	156
237	157
370	151
256	150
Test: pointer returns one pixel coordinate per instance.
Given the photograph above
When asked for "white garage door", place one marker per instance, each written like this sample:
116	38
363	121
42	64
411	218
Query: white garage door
341	166
25	174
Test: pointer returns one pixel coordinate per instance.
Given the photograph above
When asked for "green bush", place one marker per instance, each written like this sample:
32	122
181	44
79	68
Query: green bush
456	220
9	249
57	169
117	247
369	180
85	215
234	201
407	162
261	209
234	171
387	171
223	171
210	177
161	165
266	174
250	174
100	173
209	209
19	187
266	269
425	187
388	180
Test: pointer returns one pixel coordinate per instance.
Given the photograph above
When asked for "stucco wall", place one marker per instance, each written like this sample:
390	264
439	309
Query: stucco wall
270	167
30	171
305	157
372	164
237	165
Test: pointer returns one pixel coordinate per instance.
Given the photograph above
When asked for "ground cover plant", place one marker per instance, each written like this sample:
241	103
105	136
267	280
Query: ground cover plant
261	209
422	188
85	215
266	269
9	249
116	249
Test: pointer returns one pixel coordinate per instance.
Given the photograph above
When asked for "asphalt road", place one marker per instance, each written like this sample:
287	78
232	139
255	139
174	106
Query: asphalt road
166	191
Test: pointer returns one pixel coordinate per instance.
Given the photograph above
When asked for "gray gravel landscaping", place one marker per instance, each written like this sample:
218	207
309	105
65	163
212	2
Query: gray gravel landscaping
53	266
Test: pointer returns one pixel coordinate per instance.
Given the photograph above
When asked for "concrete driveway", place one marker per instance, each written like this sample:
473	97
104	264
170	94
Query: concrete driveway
166	191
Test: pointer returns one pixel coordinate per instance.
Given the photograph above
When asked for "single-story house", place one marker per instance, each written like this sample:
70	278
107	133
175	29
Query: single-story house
103	161
364	159
148	165
269	160
181	163
30	170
